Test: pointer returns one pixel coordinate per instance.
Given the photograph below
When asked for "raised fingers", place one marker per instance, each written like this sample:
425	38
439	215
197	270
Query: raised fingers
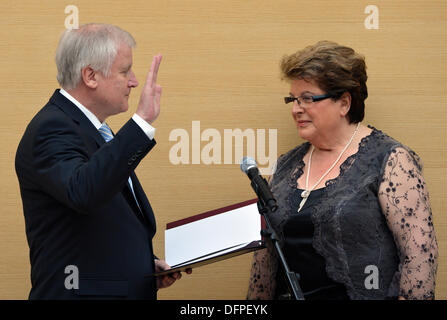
153	72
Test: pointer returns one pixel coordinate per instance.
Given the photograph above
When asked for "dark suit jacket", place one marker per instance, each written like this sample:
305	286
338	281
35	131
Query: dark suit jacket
79	209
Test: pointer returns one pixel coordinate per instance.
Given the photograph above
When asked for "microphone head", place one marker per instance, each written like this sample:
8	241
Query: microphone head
247	163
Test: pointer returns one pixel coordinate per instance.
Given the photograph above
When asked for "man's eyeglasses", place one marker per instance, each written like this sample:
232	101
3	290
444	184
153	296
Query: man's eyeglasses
308	99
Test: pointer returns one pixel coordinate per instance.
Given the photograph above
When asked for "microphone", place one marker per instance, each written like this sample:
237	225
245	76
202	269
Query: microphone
258	183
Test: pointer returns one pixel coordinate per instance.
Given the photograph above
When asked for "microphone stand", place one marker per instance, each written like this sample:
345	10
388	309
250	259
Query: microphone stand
270	233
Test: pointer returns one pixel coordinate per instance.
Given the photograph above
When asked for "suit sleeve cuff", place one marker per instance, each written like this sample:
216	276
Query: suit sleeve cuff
146	127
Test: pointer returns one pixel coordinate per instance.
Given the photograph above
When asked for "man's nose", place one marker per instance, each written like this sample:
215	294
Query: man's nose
133	82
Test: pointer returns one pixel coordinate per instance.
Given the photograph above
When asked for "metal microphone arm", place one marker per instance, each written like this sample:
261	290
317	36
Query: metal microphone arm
292	277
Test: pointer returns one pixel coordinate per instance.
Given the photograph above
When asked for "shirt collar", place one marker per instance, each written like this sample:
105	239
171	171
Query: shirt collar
93	119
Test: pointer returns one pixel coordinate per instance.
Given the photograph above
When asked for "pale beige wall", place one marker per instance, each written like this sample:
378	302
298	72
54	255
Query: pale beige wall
220	67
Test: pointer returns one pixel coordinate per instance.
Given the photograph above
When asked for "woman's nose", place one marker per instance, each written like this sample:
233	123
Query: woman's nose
297	108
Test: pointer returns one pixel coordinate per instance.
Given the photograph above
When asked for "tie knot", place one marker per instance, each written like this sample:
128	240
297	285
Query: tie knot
105	132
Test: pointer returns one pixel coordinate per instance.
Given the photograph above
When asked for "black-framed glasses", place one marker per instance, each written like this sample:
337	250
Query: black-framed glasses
307	98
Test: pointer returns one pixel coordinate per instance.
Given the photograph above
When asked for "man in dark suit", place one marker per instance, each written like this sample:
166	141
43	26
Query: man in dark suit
88	222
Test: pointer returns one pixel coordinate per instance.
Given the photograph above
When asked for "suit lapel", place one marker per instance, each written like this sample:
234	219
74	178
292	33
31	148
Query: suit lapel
71	110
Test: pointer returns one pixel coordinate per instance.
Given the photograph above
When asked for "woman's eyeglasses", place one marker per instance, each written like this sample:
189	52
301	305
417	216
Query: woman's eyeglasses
308	99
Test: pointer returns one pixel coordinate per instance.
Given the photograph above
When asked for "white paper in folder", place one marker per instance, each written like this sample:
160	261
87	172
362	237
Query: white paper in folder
213	233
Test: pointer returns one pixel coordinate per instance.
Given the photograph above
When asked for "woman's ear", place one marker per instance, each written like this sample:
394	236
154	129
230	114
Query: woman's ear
345	103
89	77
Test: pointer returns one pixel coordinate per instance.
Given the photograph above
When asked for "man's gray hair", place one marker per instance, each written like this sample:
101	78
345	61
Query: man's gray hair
92	44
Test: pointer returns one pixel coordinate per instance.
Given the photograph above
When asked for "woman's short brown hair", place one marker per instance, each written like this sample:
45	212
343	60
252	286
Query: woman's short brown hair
335	69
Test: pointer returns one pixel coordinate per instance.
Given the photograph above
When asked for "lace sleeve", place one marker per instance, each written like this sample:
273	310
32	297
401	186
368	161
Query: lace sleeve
405	203
263	273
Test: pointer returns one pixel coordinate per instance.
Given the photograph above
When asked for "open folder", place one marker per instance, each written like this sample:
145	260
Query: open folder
213	236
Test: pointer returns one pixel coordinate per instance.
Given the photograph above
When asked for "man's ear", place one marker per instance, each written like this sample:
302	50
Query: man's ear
345	103
89	77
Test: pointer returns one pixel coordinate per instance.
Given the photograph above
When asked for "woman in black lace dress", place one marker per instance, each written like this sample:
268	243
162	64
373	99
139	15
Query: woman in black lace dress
354	215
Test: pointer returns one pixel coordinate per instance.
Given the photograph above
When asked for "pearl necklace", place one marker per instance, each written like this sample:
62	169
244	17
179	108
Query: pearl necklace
306	193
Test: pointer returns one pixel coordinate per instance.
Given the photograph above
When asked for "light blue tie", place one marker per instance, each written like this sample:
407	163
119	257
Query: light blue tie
107	134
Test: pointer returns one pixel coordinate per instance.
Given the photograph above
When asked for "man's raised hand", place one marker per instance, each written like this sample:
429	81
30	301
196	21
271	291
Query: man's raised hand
149	105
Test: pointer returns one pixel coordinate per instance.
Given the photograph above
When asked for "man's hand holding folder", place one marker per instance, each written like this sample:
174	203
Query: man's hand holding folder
166	280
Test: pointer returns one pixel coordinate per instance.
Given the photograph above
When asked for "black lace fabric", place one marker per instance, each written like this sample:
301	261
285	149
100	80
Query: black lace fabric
262	283
405	203
375	213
